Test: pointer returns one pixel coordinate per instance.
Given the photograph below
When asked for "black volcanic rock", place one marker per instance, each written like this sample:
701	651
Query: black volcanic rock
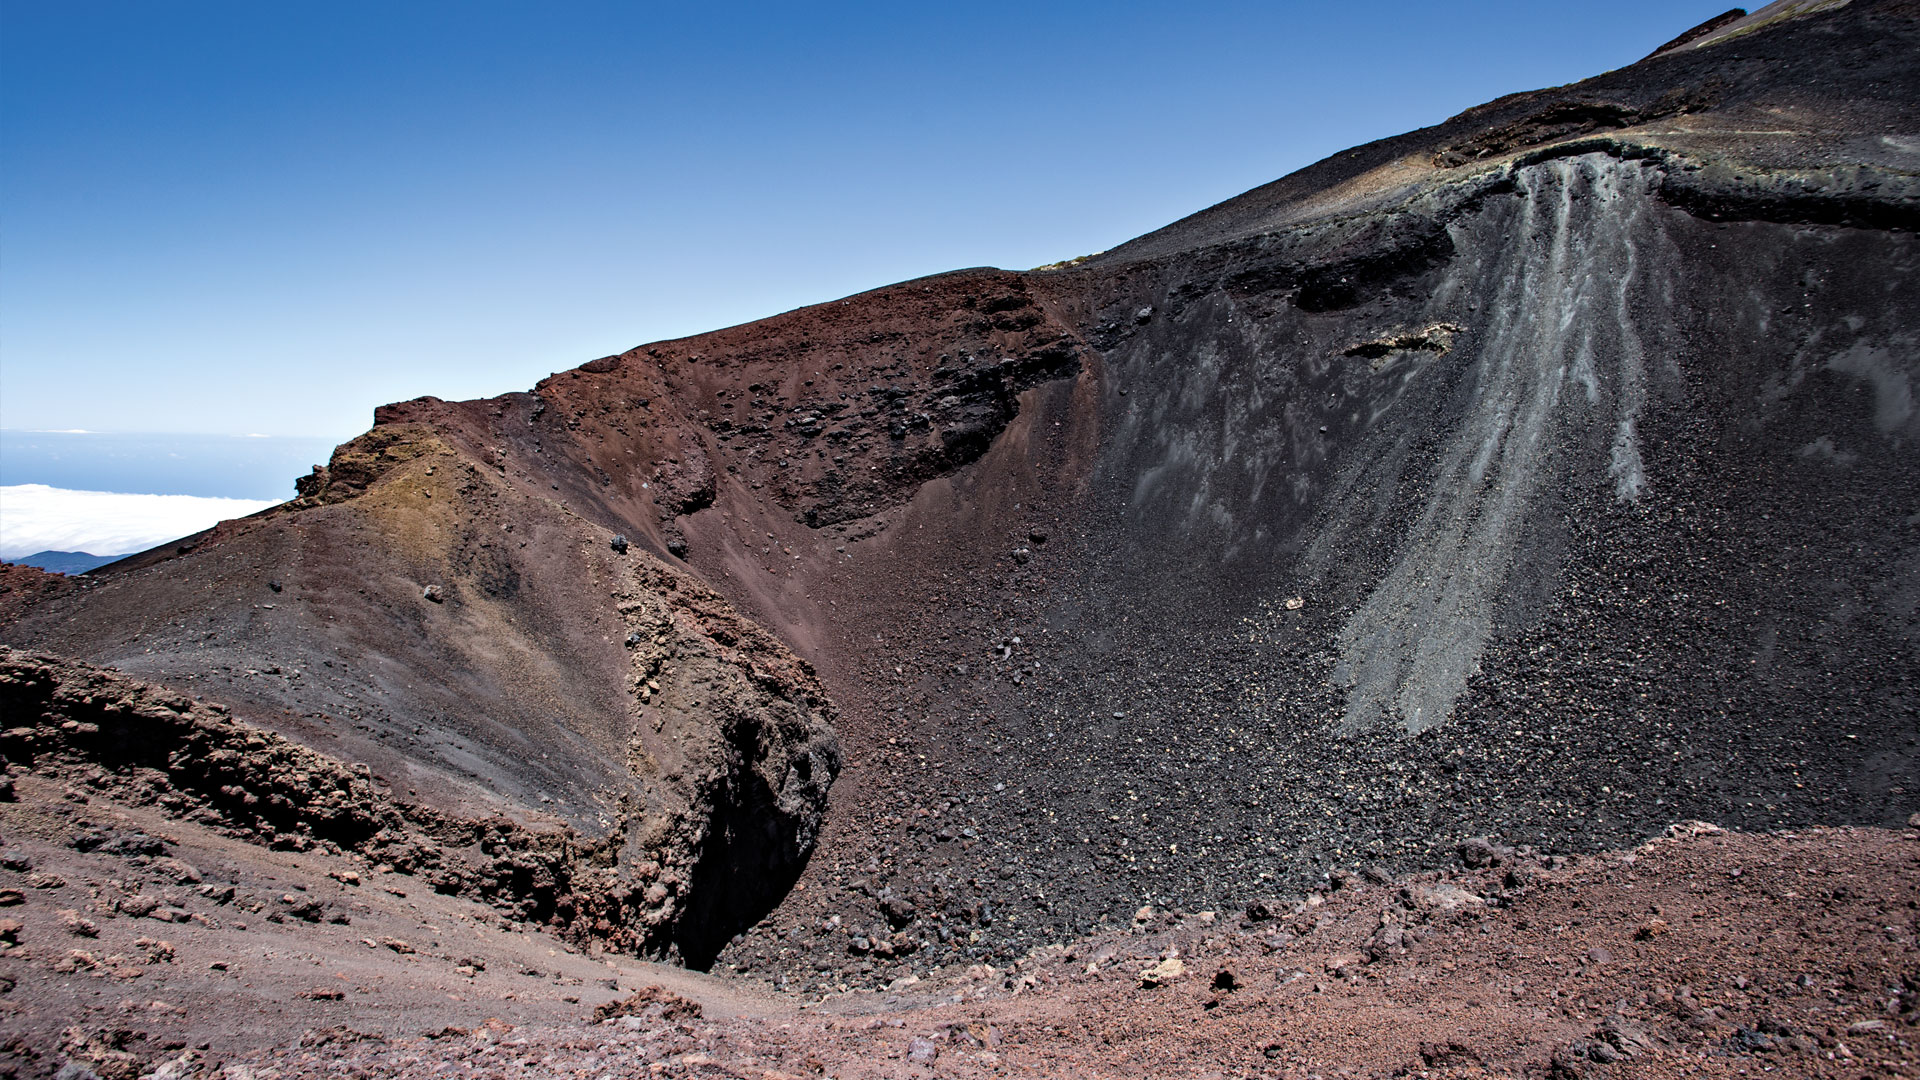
1547	476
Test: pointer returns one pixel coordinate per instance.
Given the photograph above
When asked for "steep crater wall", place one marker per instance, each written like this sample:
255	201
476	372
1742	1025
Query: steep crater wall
1595	515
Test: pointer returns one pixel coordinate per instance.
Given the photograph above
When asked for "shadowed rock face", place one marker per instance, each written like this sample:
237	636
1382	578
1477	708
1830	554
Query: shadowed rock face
1548	473
645	886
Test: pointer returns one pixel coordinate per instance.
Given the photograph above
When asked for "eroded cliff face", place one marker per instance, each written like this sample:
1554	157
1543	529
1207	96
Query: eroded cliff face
479	657
1548	473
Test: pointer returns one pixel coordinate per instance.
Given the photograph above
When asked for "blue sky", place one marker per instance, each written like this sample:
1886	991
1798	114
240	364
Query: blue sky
268	218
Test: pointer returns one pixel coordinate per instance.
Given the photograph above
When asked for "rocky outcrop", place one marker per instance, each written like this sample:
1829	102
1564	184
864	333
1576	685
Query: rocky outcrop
22	587
731	723
360	462
733	817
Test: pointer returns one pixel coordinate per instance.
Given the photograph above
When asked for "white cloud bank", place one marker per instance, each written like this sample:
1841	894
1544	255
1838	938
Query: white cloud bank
35	517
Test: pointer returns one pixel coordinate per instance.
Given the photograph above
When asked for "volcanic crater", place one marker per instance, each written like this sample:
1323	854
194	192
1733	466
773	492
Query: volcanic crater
1547	476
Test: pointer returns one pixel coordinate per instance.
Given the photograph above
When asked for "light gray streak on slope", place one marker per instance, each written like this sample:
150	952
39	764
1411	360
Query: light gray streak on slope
1559	353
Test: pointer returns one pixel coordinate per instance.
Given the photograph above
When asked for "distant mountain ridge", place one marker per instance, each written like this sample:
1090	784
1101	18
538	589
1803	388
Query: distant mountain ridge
67	562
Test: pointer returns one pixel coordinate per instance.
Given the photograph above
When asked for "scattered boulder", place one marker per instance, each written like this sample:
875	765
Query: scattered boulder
1627	1038
1345	963
898	910
1163	972
1451	1054
1866	1027
75	960
176	871
105	1053
304	908
137	906
1479	852
124	844
974	1034
1445	897
650	1003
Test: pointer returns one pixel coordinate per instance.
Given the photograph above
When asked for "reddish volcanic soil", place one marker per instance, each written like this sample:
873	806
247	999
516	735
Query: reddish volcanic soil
1704	953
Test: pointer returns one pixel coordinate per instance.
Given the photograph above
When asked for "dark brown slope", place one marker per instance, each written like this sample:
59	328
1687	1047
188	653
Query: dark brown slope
1549	473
